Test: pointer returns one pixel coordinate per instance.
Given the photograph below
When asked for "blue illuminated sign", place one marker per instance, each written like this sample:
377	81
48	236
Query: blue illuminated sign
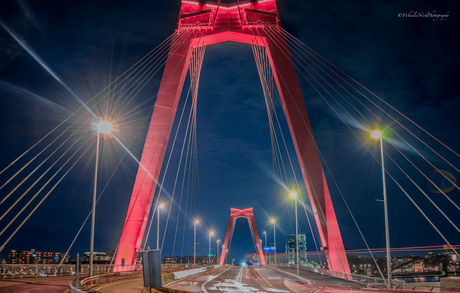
269	249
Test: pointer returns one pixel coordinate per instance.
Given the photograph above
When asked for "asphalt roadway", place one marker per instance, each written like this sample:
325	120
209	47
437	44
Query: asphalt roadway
261	279
36	285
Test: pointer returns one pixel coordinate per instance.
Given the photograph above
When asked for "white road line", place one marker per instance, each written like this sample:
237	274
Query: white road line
202	286
186	278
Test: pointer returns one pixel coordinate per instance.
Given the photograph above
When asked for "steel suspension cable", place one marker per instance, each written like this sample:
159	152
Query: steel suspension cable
42	175
146	168
446	177
36	207
382	100
393	145
75	112
303	165
397	184
264	82
195	82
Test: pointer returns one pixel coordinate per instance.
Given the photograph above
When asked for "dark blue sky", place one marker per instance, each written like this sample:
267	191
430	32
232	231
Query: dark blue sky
412	63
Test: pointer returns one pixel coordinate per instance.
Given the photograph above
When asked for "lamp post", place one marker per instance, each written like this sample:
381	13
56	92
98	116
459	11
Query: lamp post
274	237
294	196
217	250
160	206
378	135
265	233
105	128
210	234
194	241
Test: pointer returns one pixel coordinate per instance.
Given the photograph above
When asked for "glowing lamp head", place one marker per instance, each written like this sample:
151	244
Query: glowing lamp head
376	134
292	194
272	221
197	222
104	127
265	232
211	233
161	206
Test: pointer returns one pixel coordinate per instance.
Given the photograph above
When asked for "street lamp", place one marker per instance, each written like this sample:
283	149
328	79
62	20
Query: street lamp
378	135
274	236
105	128
194	241
265	233
217	251
210	234
160	207
294	196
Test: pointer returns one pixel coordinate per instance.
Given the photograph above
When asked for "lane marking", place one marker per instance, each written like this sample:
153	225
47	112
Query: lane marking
202	286
189	277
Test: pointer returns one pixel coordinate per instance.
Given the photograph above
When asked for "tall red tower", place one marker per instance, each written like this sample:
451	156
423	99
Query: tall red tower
204	25
234	215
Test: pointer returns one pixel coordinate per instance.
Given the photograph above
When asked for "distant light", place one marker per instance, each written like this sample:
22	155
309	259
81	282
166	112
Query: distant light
161	206
265	232
293	194
376	134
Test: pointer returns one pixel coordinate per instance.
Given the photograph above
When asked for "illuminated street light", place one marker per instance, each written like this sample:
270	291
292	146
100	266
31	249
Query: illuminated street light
265	233
294	196
217	251
274	236
194	241
210	234
104	127
378	135
160	207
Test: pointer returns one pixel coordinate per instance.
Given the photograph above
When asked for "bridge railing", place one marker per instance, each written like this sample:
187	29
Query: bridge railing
48	270
169	273
364	280
87	283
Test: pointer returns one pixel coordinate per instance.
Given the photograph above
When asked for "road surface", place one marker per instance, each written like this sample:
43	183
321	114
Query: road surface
126	286
260	279
36	285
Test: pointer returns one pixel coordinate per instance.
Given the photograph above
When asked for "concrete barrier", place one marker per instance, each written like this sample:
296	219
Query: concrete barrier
183	274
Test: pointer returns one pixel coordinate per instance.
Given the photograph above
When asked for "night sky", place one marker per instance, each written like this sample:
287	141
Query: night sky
411	63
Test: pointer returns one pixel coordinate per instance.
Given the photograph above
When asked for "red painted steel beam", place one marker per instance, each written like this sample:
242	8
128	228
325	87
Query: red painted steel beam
154	150
237	23
236	214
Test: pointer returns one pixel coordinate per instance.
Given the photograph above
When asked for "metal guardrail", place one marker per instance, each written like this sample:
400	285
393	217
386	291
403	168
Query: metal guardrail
364	280
86	284
8	271
433	288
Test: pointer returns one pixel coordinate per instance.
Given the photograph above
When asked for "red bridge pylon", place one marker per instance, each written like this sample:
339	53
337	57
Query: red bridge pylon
204	25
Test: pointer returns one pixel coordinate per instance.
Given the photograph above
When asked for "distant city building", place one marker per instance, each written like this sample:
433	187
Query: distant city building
36	257
187	259
291	249
99	257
